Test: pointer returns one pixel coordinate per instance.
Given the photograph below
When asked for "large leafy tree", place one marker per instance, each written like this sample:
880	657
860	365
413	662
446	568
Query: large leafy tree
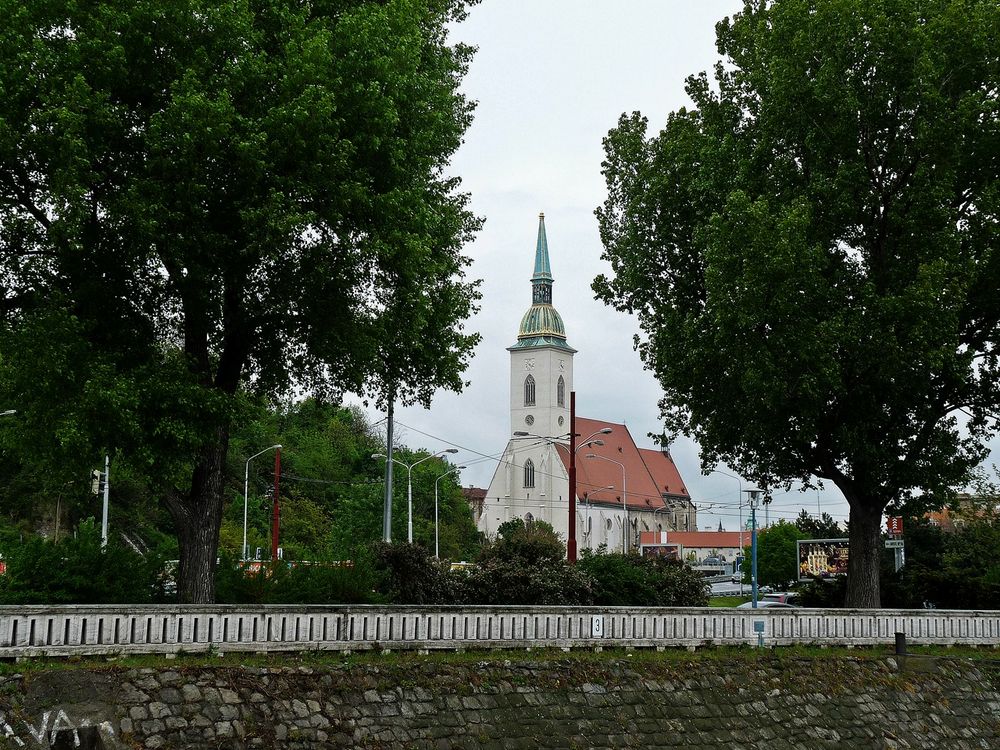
812	250
203	198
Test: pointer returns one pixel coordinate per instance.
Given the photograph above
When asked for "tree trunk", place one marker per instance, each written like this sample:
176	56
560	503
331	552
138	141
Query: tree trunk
197	518
865	554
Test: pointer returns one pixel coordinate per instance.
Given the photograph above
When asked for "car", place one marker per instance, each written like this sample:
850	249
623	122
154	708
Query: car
785	597
766	604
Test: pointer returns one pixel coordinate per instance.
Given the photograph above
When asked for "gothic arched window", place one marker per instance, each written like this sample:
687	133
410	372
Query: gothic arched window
561	392
529	391
529	474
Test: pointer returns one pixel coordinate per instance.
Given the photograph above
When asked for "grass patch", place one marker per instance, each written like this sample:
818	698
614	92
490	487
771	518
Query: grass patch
727	601
404	659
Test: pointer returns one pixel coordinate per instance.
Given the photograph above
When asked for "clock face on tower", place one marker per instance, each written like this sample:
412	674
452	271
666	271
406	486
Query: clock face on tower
529	420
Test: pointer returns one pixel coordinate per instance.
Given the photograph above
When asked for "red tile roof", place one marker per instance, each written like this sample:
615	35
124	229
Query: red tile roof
647	472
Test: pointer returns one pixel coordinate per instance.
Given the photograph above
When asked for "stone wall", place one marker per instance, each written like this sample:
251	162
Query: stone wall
581	701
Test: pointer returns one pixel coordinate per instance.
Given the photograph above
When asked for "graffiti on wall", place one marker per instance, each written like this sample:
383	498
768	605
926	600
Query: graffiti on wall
53	726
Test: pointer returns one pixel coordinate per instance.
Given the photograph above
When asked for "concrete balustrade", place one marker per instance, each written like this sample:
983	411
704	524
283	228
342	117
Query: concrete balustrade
98	629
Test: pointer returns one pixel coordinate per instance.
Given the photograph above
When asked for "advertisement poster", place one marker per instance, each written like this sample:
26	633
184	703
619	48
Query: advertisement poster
668	551
822	558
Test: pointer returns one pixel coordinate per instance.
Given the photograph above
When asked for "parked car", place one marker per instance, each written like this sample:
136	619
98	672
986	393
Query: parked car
766	604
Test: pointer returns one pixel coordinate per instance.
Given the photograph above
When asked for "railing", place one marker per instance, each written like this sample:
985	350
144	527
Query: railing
98	629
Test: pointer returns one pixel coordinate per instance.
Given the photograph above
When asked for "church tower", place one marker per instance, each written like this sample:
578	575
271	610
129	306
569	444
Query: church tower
541	362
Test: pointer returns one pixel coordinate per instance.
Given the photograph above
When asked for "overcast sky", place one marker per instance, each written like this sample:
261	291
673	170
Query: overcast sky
551	77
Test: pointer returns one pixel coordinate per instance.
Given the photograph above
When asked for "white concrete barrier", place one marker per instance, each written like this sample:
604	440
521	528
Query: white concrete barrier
100	629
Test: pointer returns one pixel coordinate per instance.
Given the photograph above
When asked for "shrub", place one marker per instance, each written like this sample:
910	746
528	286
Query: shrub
77	571
629	580
407	574
281	582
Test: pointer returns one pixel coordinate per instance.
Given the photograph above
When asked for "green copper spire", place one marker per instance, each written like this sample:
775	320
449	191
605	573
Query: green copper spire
543	272
541	280
542	326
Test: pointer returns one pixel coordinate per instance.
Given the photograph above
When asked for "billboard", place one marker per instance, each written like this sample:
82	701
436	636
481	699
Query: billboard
667	551
822	558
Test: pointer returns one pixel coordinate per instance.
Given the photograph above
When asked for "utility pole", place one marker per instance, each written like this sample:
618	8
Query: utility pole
387	504
276	513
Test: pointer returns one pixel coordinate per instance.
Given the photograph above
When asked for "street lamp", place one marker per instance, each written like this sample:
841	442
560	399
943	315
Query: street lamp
754	498
409	484
450	471
246	492
624	500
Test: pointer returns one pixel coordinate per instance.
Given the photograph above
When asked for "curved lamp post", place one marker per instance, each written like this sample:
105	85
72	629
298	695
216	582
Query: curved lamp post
624	499
452	470
246	491
409	484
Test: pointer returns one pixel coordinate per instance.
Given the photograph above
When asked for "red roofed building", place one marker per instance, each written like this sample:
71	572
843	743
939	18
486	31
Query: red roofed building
622	490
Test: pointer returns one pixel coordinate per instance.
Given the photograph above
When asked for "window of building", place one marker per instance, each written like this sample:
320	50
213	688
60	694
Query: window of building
561	392
529	474
529	391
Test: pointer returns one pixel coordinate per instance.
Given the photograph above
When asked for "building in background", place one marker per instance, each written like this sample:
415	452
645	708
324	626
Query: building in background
621	492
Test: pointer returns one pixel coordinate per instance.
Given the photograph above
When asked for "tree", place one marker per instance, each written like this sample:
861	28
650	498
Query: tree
811	251
203	199
824	527
777	555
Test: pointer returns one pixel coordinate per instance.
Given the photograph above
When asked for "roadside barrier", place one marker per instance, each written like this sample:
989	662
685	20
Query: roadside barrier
170	629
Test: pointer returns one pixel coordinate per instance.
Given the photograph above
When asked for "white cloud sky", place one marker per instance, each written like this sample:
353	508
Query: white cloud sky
551	77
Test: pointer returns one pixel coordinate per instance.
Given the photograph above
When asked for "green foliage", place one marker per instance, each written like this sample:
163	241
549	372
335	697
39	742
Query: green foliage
281	582
777	555
203	199
526	564
629	580
951	570
529	542
824	527
77	571
407	574
811	253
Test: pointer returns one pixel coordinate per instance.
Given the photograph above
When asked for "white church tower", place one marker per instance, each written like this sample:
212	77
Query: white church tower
541	362
531	480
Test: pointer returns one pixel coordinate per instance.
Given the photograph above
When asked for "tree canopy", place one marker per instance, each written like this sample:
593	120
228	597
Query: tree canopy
812	250
199	199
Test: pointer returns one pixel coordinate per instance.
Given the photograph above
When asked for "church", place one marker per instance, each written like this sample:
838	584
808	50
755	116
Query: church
622	490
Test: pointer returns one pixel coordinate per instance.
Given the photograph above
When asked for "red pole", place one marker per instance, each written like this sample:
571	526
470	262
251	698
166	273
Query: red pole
571	537
276	517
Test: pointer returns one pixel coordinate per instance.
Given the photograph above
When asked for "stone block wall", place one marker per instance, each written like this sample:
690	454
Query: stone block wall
598	701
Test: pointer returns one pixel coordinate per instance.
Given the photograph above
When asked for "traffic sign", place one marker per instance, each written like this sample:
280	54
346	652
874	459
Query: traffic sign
894	524
894	544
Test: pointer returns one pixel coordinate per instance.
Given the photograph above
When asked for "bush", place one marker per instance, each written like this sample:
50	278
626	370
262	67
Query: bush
632	581
280	582
77	571
407	574
507	581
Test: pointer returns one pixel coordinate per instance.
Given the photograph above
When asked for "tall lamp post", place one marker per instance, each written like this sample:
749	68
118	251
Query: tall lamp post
409	484
246	491
624	499
452	470
754	497
573	449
